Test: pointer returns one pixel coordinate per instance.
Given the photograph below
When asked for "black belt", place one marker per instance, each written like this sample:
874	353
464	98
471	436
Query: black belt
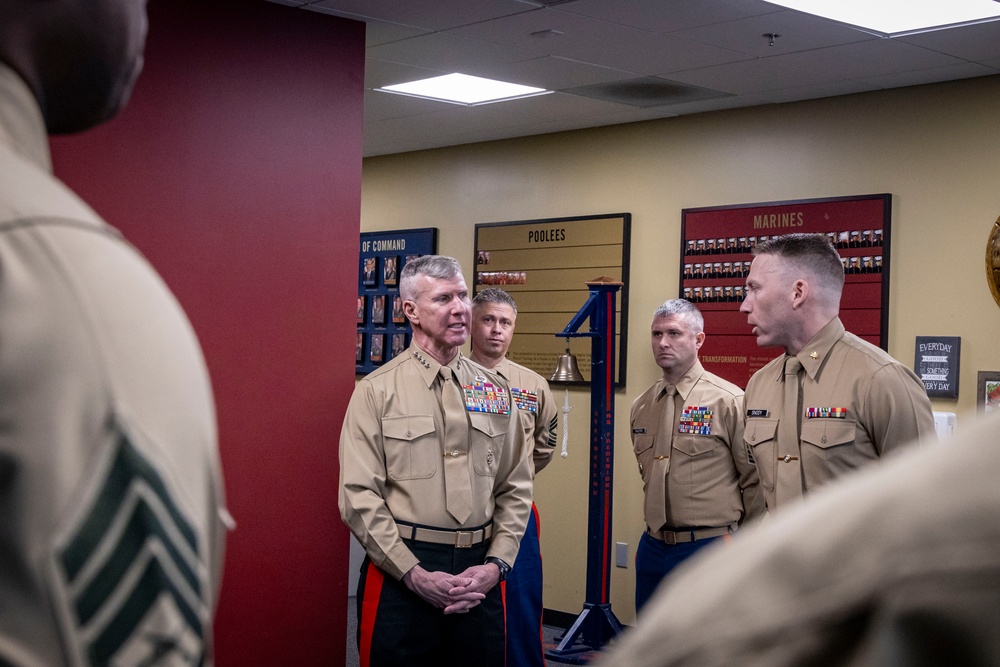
692	535
460	539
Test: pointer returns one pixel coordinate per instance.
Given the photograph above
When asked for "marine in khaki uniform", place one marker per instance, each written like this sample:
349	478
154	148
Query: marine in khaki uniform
435	482
687	435
111	499
896	565
833	402
494	315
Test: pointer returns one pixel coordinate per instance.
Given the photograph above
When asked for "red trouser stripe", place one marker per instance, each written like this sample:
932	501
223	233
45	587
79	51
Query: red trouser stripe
369	607
503	602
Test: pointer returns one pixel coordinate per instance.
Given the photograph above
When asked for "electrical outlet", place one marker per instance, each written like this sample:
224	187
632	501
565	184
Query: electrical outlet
621	554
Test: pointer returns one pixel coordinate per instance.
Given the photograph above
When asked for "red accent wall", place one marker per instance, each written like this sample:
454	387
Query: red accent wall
236	169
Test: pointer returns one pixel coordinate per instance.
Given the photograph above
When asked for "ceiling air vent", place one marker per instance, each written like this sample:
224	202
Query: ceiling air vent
648	91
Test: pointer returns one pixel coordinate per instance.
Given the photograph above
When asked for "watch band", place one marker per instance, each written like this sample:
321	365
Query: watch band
501	564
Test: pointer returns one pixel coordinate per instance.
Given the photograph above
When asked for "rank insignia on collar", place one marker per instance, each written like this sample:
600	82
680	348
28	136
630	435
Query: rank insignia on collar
813	355
524	399
826	413
696	420
481	396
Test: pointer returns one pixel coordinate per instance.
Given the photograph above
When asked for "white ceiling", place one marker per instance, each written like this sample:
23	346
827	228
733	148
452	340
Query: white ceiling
621	61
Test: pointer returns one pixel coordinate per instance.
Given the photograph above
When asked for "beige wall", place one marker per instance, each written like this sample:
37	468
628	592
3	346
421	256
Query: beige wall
934	148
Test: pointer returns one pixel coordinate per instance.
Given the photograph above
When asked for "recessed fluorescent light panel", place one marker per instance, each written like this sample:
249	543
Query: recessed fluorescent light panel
899	17
463	89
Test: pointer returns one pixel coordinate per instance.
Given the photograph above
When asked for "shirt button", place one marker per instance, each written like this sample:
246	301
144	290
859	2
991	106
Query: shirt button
787	458
409	435
455	453
823	439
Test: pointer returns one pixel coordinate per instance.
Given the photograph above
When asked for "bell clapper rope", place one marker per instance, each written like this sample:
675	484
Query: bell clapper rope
565	410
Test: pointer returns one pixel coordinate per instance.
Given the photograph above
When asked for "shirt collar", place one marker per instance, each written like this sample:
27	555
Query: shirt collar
428	366
814	354
686	384
22	127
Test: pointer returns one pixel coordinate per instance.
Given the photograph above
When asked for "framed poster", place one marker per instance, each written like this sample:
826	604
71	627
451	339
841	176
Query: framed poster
382	256
716	245
389	273
545	265
937	364
378	309
398	344
398	316
375	351
988	392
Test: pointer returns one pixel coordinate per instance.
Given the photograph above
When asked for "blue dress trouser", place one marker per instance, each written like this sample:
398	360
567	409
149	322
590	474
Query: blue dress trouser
524	601
655	559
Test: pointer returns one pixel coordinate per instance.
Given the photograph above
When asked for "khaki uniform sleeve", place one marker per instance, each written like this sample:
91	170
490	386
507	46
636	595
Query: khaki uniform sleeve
898	411
754	505
545	428
512	492
362	485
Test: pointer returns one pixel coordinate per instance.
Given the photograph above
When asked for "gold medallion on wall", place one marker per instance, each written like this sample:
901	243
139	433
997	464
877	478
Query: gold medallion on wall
993	261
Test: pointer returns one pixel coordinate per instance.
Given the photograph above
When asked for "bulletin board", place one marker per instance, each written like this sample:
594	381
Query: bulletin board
545	265
716	245
383	330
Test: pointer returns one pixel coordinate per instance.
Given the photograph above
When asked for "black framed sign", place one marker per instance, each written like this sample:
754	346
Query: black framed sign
937	364
383	330
545	265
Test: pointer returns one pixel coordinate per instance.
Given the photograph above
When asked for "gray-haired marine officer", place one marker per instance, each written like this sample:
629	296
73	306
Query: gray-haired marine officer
435	482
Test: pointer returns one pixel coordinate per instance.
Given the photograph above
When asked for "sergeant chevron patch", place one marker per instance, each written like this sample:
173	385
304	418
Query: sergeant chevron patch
130	580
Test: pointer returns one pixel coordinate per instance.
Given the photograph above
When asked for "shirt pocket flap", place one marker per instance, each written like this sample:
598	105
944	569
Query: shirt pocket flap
825	433
407	427
693	445
491	424
757	431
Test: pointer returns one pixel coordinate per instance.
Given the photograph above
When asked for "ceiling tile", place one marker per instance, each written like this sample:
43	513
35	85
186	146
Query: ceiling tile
975	42
795	32
750	77
436	15
870	58
663	16
598	42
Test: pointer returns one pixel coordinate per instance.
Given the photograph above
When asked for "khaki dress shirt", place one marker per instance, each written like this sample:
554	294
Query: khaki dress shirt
886	408
111	498
710	481
392	467
896	565
540	423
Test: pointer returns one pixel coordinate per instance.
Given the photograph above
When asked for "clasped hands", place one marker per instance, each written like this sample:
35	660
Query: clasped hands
454	593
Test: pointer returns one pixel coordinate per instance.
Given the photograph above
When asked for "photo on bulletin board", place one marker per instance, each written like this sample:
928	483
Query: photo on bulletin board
359	351
717	249
378	309
398	344
545	266
988	392
382	257
390	275
369	276
398	316
375	353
